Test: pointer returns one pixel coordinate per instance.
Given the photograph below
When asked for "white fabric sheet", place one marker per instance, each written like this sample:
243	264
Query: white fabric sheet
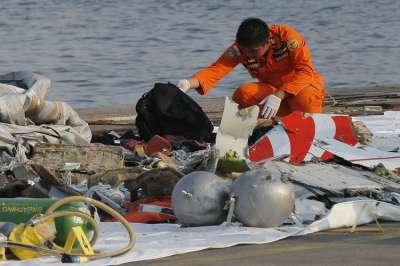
162	240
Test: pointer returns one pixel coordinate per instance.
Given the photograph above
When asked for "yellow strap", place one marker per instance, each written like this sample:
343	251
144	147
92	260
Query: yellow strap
354	227
3	253
77	233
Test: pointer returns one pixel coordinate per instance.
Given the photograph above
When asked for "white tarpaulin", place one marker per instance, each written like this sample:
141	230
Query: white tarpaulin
385	129
162	240
382	125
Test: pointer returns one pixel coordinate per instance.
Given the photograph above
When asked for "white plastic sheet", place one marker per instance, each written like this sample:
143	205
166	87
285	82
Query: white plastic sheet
382	125
162	240
385	129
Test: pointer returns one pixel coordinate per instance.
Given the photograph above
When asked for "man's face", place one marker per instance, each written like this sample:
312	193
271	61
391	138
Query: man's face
255	52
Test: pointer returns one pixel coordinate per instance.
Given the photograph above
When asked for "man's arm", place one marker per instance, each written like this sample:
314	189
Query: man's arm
205	79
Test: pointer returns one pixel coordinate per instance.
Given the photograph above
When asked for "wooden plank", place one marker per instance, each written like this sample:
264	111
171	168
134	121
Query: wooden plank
113	120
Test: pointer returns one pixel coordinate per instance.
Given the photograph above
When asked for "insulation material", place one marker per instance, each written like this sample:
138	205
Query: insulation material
24	82
10	89
22	103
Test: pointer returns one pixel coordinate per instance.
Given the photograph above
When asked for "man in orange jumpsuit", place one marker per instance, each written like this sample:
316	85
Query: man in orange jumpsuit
278	57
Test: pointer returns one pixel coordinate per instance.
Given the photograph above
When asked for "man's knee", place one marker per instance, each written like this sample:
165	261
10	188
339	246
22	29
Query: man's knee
309	100
249	94
243	96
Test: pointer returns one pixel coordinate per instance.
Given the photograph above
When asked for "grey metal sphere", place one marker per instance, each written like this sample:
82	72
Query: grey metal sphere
262	200
199	198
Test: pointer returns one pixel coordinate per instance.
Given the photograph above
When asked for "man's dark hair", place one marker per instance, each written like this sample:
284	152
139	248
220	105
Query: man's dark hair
252	32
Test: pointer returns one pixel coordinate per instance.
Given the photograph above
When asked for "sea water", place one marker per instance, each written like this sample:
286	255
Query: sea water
100	52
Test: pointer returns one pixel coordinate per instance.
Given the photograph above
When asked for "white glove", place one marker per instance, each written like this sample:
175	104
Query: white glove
184	85
271	106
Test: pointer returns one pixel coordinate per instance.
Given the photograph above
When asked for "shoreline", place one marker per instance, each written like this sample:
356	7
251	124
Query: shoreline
352	101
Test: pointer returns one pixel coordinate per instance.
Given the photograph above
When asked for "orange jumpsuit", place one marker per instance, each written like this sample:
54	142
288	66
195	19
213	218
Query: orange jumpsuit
286	65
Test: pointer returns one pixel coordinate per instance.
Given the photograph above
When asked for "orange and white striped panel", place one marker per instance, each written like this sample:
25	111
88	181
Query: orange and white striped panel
295	135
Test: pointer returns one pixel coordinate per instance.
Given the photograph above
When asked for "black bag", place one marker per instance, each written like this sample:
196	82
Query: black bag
166	110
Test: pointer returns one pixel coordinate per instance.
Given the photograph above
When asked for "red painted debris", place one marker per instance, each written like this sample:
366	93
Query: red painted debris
149	211
296	136
157	144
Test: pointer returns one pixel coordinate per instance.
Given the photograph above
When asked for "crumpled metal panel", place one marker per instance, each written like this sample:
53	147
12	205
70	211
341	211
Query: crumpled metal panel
365	155
334	179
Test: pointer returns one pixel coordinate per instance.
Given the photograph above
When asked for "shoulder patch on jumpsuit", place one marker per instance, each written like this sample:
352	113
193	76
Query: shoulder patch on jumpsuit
233	52
292	44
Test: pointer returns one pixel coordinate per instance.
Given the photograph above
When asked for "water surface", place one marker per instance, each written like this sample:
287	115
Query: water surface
108	52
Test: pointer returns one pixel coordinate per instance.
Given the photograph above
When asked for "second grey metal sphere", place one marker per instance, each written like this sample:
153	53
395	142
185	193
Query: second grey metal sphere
262	200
